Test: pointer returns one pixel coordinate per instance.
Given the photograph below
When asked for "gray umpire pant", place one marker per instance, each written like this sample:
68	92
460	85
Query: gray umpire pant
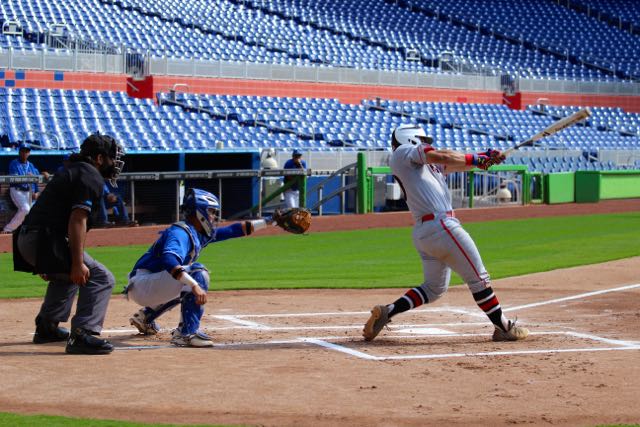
93	297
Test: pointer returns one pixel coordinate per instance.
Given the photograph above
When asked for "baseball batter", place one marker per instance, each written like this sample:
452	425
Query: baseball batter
437	235
168	274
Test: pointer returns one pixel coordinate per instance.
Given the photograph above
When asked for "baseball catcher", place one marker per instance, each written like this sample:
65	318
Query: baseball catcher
169	273
293	220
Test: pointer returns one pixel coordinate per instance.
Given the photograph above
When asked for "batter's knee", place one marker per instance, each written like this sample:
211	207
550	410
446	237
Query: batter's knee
434	292
483	282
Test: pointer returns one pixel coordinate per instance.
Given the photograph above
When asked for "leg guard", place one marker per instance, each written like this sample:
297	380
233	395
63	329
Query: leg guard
152	313
190	312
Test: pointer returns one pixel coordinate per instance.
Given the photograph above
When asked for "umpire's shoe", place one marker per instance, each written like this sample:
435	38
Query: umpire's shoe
82	341
379	319
47	331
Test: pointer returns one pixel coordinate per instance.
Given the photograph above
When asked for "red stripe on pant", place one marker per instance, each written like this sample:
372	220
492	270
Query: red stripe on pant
461	250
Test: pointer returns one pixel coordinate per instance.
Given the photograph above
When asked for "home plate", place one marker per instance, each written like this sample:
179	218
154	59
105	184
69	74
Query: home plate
424	331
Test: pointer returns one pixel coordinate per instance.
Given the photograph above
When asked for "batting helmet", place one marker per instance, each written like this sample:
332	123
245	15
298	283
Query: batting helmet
204	206
409	134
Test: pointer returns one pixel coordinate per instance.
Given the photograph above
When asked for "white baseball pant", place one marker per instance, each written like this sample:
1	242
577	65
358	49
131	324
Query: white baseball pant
153	289
444	245
292	198
22	200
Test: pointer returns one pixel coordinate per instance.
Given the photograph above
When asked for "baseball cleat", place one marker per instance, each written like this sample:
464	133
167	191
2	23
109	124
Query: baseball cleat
199	339
139	320
514	333
379	319
47	331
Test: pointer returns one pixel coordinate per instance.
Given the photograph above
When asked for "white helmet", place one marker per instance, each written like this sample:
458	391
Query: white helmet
409	134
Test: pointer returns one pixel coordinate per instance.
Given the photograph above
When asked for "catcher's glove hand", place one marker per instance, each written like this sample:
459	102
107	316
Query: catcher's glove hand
293	220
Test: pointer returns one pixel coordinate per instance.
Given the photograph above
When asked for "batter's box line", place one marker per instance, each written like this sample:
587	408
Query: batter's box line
619	345
329	342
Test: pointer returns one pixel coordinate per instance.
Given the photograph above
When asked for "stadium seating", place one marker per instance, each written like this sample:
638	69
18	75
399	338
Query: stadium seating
369	34
62	119
622	11
549	25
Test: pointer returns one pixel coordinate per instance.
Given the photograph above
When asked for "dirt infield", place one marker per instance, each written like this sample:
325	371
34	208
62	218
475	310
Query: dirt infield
291	358
295	357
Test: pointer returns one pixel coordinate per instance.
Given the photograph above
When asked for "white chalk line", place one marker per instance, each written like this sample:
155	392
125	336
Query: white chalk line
329	342
240	323
458	310
307	328
573	297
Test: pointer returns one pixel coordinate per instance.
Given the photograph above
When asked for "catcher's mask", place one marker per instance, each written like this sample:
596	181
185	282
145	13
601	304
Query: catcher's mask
409	134
204	206
96	144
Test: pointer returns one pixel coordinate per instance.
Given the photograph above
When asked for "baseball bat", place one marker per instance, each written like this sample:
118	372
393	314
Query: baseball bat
552	129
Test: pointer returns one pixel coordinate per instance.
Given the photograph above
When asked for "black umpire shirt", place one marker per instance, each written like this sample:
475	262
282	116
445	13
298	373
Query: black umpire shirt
78	186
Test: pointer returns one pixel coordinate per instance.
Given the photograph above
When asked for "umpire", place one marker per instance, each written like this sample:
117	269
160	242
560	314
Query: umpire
50	243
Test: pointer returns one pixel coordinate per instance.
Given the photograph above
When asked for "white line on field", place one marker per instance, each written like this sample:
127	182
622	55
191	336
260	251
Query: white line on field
604	340
237	321
307	328
459	310
340	348
503	353
573	297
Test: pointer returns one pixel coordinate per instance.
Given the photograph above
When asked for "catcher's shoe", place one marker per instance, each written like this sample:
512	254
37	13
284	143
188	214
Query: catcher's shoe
47	331
139	320
199	339
514	333
379	319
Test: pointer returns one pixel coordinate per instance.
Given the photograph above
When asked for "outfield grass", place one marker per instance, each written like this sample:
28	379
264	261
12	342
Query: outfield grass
379	257
14	420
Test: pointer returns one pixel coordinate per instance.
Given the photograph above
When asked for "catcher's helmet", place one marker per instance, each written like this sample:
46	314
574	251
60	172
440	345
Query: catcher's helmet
204	206
103	144
409	134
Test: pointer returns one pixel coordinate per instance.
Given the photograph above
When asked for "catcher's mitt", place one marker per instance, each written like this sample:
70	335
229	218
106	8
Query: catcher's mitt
293	220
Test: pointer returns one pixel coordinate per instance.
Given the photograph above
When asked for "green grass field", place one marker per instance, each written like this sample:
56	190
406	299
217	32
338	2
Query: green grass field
14	420
363	259
379	257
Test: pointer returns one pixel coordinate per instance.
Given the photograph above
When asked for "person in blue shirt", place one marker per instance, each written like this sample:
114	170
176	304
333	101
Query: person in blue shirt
292	194
22	195
112	199
168	274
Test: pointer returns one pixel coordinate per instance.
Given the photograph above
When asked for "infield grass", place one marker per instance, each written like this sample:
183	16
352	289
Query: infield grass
378	258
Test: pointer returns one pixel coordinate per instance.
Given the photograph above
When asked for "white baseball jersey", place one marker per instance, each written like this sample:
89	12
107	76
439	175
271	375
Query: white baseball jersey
423	185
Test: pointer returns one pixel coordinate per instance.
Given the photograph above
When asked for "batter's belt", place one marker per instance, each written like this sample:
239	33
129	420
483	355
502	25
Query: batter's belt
431	217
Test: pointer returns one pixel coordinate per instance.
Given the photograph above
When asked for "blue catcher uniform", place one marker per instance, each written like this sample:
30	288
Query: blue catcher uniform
151	284
168	274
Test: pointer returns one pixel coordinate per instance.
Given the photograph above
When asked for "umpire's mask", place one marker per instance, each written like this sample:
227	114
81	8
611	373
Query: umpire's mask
107	146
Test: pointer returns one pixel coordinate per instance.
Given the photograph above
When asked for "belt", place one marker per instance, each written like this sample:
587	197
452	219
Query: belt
431	217
132	274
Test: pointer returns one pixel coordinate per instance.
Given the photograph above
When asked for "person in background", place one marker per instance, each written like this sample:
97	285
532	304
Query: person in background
292	195
24	194
65	163
111	199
